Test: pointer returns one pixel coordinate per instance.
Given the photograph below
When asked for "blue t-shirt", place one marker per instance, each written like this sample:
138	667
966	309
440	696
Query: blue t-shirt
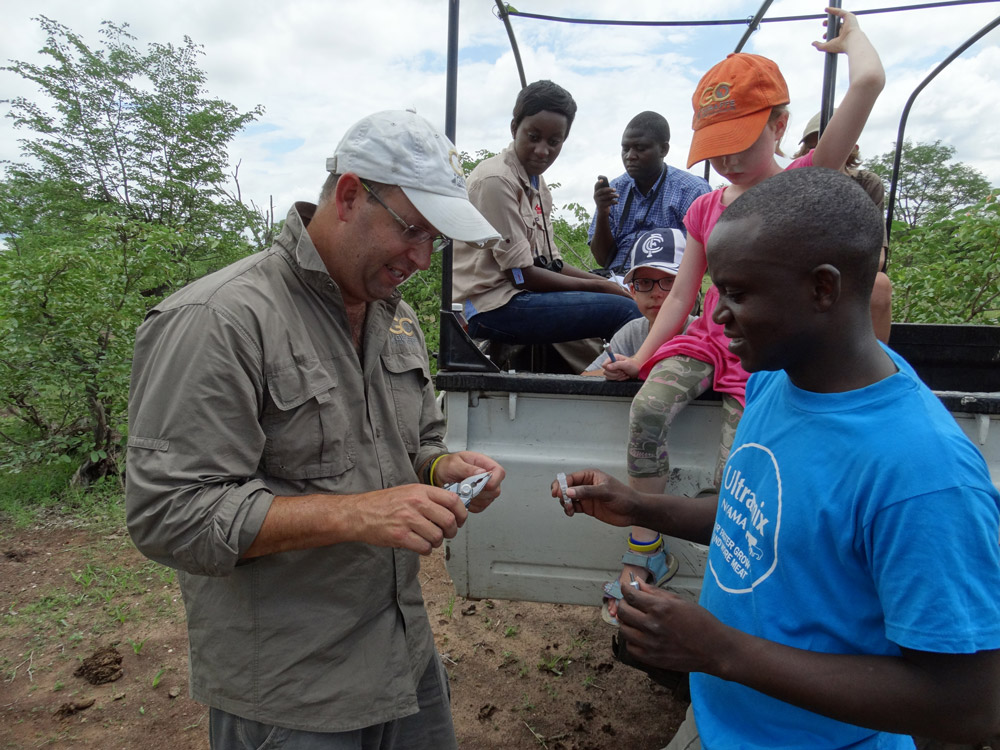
849	523
663	206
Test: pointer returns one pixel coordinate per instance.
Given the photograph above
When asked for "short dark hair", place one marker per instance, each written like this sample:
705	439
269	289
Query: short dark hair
544	96
653	124
819	216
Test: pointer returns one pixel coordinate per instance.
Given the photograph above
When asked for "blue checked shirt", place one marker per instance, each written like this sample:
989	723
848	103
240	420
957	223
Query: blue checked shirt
664	206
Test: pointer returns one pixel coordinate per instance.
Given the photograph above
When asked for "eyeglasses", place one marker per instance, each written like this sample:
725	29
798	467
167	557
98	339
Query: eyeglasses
411	234
646	285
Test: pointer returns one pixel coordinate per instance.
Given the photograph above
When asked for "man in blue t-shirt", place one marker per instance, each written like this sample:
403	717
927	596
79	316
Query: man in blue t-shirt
650	195
851	593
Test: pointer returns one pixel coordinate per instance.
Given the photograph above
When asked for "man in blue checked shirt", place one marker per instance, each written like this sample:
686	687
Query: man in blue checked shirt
649	195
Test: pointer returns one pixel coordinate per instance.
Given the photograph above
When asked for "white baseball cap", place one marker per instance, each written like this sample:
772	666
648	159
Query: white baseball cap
398	147
661	249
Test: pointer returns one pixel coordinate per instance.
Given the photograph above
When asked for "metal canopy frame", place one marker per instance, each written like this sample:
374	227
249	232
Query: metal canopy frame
457	350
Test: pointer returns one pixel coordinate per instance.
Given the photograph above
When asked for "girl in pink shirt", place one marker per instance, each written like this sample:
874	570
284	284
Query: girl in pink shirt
740	115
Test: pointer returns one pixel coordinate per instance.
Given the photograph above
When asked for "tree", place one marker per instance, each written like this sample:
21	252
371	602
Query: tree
945	238
120	197
571	236
930	184
949	271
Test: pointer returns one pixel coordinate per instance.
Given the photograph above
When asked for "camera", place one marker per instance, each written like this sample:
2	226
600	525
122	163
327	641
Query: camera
555	264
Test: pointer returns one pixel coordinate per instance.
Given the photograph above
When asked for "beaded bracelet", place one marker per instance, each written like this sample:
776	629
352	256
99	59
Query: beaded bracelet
651	546
430	474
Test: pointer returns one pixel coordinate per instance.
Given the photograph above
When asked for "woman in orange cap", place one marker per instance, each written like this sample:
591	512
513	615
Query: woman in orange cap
740	115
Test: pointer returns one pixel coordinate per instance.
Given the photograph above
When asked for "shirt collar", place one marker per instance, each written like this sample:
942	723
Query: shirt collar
305	252
510	159
652	190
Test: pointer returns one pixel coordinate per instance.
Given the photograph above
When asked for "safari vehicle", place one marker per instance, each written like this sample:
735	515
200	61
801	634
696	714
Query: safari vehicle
536	425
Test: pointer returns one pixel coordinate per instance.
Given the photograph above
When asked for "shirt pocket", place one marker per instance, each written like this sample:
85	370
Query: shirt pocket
408	376
531	225
306	424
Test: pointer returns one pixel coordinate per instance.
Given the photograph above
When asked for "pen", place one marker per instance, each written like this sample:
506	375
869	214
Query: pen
607	348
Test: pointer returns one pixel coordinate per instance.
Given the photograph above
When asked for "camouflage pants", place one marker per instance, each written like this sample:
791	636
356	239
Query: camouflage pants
672	384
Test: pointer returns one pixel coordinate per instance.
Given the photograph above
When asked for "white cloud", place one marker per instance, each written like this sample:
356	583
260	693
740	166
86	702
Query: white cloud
318	65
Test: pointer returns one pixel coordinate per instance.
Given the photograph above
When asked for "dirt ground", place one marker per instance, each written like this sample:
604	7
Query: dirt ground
81	605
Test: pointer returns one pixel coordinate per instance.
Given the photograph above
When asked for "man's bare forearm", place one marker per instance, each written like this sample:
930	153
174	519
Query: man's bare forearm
602	244
944	696
690	518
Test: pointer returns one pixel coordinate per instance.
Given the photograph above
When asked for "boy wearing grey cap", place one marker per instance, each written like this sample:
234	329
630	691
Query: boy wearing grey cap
653	261
286	455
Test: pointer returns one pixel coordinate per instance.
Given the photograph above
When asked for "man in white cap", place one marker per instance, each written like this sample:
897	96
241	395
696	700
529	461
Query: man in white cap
286	455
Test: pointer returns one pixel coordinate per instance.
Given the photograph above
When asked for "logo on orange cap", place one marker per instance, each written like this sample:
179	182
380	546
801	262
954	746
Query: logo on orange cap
717	93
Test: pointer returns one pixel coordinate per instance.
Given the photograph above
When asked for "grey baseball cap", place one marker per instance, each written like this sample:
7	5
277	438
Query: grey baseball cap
399	147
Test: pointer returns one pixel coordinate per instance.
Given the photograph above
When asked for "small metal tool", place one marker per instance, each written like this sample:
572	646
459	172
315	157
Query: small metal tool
632	582
566	501
469	487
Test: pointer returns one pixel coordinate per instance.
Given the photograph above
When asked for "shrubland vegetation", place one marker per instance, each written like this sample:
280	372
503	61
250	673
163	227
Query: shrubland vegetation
945	242
124	192
121	196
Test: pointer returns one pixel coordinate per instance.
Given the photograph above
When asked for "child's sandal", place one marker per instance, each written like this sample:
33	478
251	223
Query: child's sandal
660	568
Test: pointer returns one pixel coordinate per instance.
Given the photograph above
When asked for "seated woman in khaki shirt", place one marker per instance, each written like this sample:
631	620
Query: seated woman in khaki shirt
518	290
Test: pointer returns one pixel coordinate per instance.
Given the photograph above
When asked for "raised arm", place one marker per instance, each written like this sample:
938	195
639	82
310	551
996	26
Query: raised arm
866	80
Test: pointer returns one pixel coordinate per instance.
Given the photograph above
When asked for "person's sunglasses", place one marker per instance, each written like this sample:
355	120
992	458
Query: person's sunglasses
411	234
646	285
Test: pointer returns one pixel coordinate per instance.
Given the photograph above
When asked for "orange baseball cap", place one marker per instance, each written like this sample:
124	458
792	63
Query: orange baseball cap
732	104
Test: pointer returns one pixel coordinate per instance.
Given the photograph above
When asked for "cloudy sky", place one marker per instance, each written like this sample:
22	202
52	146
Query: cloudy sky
318	65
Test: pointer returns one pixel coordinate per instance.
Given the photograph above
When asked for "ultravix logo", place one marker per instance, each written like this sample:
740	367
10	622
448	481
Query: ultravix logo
746	529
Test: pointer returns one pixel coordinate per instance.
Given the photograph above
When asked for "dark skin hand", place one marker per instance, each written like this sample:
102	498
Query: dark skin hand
605	196
946	696
570	279
605	498
602	245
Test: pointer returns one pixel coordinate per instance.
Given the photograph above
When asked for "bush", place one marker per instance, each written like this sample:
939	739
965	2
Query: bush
949	271
119	199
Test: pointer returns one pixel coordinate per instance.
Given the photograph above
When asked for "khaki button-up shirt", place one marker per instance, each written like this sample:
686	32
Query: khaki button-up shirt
246	385
501	190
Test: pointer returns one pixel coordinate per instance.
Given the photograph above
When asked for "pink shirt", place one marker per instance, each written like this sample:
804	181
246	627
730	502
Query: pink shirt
704	339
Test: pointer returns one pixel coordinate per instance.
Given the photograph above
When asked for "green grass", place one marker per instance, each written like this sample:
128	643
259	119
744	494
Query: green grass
136	645
24	494
554	663
448	610
45	488
97	595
